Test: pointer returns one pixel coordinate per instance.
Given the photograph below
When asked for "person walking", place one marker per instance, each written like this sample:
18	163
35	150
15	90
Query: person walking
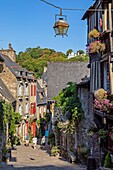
34	142
27	140
46	136
43	141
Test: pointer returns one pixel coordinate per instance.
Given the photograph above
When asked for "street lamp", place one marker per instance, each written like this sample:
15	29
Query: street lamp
61	26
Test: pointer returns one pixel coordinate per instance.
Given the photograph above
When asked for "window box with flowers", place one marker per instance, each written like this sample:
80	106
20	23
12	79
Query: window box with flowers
94	34
96	46
102	101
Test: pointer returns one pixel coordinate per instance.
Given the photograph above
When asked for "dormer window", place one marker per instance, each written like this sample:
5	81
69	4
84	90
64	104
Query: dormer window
1	68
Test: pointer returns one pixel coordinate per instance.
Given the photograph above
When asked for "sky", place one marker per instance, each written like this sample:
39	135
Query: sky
29	23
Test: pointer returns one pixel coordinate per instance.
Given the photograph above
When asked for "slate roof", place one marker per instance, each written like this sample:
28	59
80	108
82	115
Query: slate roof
60	73
13	66
5	92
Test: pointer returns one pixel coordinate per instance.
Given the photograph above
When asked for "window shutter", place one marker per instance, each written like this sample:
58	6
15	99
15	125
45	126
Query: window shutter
31	109
34	108
31	90
34	90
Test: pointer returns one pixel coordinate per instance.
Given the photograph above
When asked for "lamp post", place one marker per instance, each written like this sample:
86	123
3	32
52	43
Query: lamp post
61	26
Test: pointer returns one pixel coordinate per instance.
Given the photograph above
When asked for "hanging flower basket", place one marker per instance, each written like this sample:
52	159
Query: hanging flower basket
94	34
96	47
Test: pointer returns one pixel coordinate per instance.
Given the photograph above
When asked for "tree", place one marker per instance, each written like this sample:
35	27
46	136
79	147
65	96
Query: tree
80	51
69	52
35	59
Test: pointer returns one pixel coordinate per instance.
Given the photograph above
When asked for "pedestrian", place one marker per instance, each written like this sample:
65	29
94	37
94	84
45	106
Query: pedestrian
27	140
46	136
43	141
34	142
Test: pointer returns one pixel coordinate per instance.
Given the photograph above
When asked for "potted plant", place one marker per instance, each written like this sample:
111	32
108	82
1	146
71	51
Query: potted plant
55	151
96	47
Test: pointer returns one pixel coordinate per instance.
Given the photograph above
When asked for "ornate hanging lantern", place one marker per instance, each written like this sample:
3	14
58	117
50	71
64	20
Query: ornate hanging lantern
61	26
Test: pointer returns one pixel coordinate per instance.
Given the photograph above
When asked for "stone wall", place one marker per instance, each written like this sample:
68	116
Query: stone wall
9	80
84	139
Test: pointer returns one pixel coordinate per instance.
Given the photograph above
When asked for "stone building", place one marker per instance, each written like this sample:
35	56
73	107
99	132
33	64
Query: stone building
7	97
22	87
57	76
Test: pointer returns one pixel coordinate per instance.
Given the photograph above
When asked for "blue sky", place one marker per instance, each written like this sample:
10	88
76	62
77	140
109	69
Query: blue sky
29	23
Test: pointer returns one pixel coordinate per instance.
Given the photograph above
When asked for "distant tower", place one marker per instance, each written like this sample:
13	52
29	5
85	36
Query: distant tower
9	52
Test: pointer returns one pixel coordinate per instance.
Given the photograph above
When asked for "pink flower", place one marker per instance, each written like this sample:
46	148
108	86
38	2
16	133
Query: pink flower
99	105
106	101
96	101
110	105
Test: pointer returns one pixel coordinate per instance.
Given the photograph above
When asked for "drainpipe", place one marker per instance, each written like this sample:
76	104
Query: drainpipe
111	49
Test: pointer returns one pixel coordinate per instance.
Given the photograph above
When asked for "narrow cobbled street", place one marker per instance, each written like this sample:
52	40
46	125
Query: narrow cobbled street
26	158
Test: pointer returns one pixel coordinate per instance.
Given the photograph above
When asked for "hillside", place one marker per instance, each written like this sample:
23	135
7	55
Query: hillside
35	59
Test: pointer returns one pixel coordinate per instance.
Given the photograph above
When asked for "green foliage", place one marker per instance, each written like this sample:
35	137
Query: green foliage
108	162
47	117
51	139
8	116
35	59
80	51
103	133
55	150
79	58
68	102
69	52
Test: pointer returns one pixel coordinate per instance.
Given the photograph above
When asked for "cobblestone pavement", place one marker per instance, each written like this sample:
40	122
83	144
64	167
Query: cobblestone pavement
26	158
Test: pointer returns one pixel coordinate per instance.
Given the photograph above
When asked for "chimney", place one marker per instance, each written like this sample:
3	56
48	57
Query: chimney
10	47
9	52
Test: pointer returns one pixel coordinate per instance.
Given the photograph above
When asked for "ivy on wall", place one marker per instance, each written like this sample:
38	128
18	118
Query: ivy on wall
69	103
8	117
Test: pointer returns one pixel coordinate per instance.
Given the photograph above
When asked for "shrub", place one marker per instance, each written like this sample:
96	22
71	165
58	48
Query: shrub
55	150
108	162
51	139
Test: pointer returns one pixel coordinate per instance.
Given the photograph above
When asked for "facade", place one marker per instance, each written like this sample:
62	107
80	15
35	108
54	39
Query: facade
6	96
100	17
57	76
22	86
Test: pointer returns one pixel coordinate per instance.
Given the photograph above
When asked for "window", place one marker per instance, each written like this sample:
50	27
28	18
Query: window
34	90
105	76
20	109
26	89
33	108
20	90
26	108
31	90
